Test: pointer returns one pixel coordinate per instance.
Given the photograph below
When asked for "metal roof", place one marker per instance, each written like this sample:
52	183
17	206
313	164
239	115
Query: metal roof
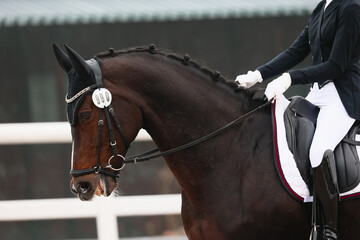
48	12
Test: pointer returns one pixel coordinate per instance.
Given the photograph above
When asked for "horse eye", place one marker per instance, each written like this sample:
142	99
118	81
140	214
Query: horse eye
84	116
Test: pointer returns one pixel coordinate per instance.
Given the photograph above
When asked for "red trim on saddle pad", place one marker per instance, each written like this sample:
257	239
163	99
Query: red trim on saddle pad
351	196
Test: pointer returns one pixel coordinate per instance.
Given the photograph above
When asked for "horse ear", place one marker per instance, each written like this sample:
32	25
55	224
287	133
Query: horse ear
81	67
62	58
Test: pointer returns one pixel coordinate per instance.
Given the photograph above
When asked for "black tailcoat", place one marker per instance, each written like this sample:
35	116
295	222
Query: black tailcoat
332	37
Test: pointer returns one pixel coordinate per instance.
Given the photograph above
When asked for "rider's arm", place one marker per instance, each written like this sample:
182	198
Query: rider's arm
343	50
292	56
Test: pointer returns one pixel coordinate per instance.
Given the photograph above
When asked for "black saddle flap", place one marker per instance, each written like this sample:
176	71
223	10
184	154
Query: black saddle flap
347	160
300	118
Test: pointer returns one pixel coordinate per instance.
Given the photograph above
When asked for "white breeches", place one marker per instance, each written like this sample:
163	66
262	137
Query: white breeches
333	121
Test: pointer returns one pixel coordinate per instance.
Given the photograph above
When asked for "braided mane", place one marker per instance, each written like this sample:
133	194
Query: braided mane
186	60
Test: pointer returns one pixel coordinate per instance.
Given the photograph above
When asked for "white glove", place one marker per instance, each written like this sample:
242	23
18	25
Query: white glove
278	86
249	79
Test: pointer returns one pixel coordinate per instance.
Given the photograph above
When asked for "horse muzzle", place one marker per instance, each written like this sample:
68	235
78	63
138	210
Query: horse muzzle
86	187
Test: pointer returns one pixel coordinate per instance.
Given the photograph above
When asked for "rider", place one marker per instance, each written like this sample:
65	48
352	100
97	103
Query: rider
332	37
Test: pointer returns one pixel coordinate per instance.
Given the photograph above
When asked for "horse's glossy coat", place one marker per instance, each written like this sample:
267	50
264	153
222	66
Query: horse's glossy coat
230	189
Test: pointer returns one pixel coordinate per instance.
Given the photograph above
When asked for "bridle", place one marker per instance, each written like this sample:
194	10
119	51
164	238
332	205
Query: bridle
102	99
98	169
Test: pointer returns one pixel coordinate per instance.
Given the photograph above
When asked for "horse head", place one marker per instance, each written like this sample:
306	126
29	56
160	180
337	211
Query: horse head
101	133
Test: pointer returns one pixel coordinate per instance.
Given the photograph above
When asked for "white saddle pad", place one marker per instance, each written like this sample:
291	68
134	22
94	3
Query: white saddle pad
288	170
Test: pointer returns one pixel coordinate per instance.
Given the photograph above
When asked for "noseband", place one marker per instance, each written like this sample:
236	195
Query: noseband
102	98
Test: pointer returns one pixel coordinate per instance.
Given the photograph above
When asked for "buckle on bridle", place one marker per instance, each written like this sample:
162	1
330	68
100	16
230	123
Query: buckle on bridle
116	169
97	169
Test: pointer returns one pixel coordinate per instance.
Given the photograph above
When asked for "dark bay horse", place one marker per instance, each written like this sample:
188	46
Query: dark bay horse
229	186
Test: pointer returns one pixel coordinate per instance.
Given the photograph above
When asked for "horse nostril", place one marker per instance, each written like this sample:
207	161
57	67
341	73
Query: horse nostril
83	187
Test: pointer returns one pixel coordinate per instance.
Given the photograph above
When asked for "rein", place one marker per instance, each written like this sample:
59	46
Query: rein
154	153
102	99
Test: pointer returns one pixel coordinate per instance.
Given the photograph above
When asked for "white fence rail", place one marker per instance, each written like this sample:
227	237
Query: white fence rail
105	210
47	132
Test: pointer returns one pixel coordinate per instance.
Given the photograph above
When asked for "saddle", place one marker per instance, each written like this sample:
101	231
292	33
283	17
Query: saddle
300	123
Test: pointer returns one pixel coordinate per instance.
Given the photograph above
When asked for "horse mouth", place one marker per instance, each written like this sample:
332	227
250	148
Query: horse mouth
100	189
105	186
86	188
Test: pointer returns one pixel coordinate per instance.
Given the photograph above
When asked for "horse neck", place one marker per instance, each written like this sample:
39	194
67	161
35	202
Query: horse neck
180	104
